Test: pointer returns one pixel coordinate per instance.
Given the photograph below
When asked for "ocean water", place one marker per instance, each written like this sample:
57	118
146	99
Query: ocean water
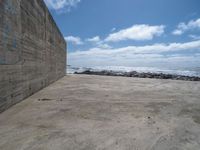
180	71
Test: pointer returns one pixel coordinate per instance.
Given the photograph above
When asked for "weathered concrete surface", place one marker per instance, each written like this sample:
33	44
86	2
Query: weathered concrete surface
83	112
32	50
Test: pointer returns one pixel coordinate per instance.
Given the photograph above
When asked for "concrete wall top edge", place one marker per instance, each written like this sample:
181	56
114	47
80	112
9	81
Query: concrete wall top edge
52	19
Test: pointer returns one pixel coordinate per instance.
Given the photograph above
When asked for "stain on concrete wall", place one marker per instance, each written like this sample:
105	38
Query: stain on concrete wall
32	50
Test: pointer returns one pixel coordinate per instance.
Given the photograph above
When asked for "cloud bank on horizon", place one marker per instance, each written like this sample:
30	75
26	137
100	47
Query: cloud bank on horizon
163	44
159	54
147	56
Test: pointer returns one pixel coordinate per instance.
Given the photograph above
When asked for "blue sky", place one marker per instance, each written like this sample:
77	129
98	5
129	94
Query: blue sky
142	33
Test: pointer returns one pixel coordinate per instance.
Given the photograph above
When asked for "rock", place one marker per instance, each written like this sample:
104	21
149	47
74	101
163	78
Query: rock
140	75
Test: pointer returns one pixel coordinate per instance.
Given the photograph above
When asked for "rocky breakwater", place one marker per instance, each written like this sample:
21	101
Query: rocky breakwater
140	75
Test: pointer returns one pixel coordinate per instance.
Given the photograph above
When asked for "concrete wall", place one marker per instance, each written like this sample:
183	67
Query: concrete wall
32	50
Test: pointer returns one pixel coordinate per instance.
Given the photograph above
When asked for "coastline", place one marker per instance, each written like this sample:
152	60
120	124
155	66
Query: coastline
136	74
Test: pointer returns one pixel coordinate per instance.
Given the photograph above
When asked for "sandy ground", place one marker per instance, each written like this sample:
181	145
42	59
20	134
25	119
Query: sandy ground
81	112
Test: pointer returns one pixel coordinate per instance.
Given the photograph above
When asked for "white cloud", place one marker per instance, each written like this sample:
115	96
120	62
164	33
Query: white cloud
148	49
104	46
60	5
183	27
74	40
195	37
136	32
177	32
98	42
94	39
149	55
113	29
